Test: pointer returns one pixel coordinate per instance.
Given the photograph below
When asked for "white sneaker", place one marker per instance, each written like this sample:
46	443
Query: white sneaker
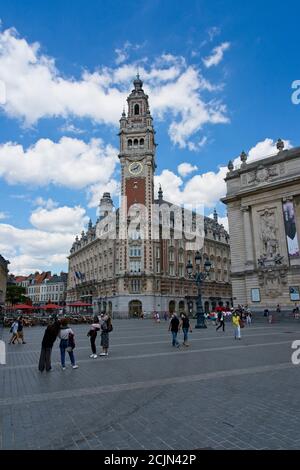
75	367
92	355
95	356
102	354
63	368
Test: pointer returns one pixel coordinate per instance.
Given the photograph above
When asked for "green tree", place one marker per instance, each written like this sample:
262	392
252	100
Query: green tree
16	295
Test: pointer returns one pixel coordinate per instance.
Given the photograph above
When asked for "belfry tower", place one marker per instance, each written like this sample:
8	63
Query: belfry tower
137	158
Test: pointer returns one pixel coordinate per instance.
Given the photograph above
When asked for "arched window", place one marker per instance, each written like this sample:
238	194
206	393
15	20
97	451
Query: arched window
142	142
129	143
135	143
136	109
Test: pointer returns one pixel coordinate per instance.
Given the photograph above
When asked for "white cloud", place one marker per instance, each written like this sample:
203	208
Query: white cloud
202	189
36	89
221	220
261	150
216	56
3	215
30	249
70	162
46	203
206	188
185	169
46	245
95	192
61	219
70	128
122	53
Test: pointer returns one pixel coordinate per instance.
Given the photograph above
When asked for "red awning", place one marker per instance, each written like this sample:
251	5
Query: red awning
80	304
49	307
22	307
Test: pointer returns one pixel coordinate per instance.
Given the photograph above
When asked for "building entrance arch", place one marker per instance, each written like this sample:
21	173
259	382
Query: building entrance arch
172	306
135	308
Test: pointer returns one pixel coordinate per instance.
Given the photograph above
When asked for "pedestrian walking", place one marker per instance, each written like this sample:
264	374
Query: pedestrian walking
67	343
237	326
106	328
20	332
249	318
14	331
186	328
165	316
95	327
174	327
221	321
270	318
49	339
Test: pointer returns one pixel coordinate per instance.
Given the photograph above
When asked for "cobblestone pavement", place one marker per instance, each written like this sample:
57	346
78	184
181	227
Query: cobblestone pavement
218	393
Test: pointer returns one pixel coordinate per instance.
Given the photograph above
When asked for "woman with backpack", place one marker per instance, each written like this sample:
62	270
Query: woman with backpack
49	339
67	343
106	328
95	327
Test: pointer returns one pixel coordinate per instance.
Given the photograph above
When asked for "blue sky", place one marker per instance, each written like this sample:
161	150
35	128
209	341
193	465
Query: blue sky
218	75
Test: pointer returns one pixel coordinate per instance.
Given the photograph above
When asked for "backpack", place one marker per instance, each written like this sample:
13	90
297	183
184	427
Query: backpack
71	343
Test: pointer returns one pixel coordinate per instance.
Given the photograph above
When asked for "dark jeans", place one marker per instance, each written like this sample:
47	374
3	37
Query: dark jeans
63	346
45	359
185	334
222	324
93	345
174	338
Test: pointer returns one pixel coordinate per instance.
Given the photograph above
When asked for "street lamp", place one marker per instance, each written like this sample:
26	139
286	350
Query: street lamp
199	277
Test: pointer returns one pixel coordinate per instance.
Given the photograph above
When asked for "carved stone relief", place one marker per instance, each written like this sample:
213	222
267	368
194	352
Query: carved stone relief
262	174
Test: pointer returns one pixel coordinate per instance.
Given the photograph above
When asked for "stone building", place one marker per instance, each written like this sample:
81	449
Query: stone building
144	271
43	288
3	279
263	203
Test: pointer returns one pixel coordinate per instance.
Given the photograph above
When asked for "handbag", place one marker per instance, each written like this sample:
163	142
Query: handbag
242	324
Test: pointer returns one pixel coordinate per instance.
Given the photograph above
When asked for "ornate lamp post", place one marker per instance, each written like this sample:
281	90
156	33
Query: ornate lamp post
199	277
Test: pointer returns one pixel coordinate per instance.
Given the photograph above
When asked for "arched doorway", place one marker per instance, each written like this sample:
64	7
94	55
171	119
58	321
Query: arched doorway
206	307
135	308
172	306
213	305
181	306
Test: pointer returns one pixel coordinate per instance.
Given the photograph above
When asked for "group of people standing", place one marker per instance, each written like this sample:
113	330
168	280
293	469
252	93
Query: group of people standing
59	328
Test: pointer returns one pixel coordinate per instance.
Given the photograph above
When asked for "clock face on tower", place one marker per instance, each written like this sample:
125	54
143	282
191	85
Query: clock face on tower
135	168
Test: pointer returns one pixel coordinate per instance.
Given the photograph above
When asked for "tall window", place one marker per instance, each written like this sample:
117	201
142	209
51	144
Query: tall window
142	142
135	143
129	143
158	266
135	266
136	285
135	251
136	109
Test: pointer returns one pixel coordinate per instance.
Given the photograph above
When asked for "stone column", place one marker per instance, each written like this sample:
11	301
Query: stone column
248	236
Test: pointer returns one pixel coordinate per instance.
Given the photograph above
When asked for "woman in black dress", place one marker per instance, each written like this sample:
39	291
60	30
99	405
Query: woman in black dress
49	339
